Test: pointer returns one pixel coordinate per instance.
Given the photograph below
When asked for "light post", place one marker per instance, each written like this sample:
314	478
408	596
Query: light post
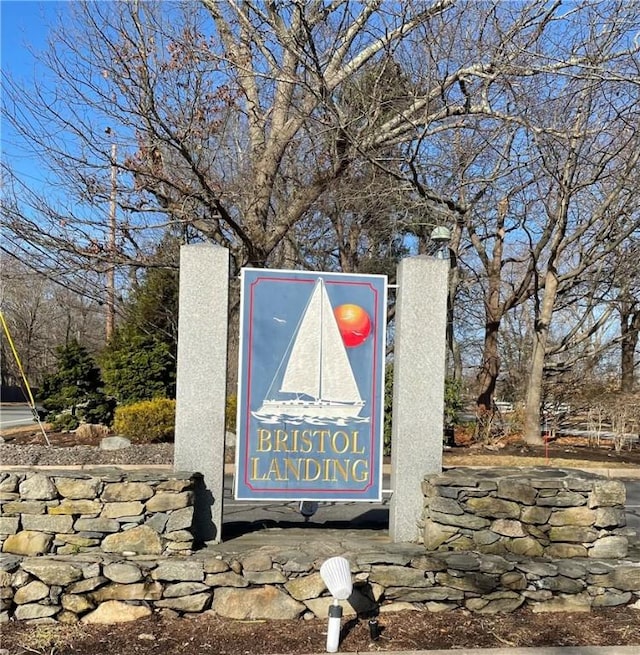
441	237
111	271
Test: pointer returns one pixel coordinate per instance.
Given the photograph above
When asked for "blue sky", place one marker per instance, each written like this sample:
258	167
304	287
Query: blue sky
24	30
24	25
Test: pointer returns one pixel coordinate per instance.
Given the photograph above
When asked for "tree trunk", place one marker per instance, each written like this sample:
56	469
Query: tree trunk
534	385
488	375
454	279
494	311
629	331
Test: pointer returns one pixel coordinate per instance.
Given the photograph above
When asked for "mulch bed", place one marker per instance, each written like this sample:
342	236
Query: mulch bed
409	630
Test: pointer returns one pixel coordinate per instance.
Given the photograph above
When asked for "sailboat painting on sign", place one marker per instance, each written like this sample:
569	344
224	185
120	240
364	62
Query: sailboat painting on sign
310	393
317	373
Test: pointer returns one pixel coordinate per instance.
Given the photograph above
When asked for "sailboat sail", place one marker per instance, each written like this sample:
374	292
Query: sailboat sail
318	367
337	380
302	374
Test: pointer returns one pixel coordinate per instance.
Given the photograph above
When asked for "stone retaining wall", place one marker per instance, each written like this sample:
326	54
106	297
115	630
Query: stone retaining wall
276	582
122	549
67	512
535	512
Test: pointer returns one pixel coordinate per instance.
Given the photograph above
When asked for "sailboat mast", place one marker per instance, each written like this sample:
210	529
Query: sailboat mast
322	332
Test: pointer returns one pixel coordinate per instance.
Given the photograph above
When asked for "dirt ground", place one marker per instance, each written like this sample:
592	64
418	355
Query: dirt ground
561	451
410	630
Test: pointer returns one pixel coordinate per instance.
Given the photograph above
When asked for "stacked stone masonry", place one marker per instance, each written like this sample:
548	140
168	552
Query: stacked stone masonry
111	581
273	582
548	512
67	512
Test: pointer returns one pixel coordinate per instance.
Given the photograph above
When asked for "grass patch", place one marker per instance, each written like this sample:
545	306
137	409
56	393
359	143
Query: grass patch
47	638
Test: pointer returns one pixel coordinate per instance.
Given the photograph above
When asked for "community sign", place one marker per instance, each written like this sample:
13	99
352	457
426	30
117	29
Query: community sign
311	386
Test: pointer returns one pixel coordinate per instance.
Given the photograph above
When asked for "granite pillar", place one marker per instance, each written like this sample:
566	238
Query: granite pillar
201	380
418	389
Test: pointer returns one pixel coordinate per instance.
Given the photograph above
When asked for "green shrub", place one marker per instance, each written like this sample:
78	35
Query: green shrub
63	422
98	408
139	361
388	408
146	421
75	388
453	404
138	367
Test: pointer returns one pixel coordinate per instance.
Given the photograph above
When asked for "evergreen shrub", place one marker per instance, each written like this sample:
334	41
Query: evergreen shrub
138	367
73	393
139	361
453	401
147	421
65	422
453	405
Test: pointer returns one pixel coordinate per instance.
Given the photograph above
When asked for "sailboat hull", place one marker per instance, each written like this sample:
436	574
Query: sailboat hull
312	408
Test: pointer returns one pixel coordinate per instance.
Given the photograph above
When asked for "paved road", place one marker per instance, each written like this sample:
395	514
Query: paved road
240	517
13	416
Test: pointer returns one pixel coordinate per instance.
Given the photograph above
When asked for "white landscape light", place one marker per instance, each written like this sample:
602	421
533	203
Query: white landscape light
336	574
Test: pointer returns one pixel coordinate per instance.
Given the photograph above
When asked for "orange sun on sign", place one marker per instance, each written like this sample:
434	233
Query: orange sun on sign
354	324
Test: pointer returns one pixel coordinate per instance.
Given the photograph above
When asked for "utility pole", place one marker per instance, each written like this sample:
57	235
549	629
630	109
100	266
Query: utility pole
111	270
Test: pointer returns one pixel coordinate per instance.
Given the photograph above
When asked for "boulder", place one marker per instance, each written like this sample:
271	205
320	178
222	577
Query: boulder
77	489
27	542
265	603
31	592
122	573
115	611
52	572
114	443
126	491
141	540
179	570
38	487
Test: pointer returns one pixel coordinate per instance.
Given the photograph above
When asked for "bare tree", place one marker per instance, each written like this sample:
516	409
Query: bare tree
233	119
590	207
489	177
627	284
227	118
243	123
42	315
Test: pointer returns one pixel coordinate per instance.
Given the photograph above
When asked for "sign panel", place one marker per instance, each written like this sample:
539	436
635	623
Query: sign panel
311	387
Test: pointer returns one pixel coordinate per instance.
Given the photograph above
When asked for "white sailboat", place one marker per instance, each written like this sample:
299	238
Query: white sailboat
318	380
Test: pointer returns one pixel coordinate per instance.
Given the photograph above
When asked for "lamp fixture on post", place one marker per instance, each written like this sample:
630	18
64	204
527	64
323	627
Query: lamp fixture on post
440	236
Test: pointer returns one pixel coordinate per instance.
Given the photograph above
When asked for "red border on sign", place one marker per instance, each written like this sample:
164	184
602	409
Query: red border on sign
297	493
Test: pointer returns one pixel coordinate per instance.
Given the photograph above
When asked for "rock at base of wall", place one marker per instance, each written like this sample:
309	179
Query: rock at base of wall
115	611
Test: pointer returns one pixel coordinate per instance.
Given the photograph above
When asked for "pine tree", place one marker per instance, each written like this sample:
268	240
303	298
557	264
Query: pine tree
74	392
139	362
